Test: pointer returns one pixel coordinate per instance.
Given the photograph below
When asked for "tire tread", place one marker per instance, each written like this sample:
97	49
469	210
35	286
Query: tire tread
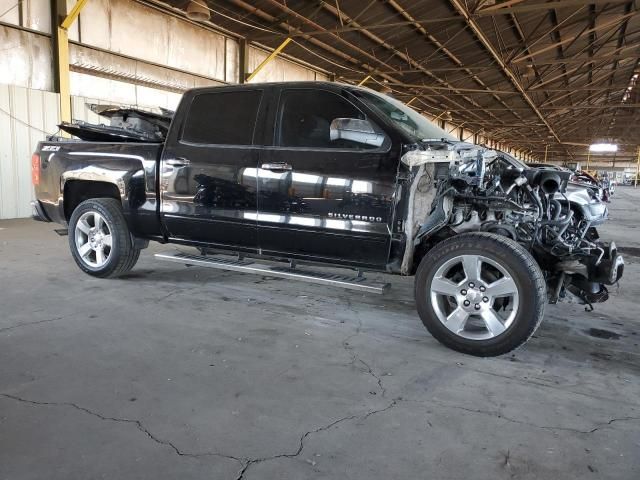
497	243
127	256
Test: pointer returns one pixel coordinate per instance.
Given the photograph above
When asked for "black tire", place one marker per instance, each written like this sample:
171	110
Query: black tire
121	255
515	260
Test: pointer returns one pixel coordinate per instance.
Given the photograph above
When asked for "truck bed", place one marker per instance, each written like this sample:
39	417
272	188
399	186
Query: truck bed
69	169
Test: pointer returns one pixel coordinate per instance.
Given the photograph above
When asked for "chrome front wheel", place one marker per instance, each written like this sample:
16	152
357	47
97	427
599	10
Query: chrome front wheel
480	293
474	297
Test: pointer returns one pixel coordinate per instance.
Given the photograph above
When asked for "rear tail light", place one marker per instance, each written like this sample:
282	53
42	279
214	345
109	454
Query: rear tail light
35	169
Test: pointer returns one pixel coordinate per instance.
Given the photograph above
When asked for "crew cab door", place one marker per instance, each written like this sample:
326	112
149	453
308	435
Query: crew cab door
326	185
207	171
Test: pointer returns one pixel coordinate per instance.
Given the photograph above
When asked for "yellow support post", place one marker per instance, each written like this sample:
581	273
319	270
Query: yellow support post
63	59
63	72
73	14
364	80
637	168
546	149
273	55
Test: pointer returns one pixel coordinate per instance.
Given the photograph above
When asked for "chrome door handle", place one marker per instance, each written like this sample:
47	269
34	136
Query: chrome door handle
276	166
177	162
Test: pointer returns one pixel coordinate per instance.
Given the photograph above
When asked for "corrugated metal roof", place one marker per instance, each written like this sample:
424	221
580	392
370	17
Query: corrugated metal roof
530	73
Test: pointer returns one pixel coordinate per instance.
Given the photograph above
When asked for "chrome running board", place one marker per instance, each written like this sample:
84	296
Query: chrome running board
247	265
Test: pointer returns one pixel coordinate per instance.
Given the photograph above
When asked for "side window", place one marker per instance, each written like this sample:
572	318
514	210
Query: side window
321	119
222	118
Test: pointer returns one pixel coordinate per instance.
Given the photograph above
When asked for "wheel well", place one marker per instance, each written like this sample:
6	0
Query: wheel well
77	191
426	245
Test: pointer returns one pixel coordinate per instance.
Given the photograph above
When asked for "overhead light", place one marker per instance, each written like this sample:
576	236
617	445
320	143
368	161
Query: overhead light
197	10
603	147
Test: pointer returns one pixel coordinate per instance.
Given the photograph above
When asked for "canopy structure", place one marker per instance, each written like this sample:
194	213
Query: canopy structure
546	77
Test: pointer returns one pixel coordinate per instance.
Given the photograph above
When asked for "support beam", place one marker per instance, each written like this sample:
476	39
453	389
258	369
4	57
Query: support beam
63	74
243	63
271	56
462	10
61	38
73	14
350	28
611	24
637	169
506	7
364	80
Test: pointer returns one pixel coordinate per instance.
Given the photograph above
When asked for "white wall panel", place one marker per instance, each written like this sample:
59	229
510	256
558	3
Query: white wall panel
138	31
95	24
233	61
98	63
32	113
25	59
11	10
36	15
120	93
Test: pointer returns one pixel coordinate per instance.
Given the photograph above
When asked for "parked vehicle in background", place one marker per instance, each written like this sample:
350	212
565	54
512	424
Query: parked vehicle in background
591	178
337	175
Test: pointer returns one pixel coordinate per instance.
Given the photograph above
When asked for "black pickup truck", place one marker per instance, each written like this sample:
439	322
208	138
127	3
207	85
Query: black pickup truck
332	174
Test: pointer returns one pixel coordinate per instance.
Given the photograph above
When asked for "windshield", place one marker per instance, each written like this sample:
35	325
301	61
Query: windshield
416	125
514	161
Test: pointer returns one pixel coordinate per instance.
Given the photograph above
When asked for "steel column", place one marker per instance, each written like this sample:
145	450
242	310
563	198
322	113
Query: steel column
637	168
62	57
271	56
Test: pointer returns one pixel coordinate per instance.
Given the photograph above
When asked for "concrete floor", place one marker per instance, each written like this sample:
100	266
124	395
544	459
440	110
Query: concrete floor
177	372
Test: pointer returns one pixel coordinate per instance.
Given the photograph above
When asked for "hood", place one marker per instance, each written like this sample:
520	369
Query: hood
125	125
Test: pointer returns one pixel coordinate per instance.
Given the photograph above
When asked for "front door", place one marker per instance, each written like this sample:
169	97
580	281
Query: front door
208	170
323	195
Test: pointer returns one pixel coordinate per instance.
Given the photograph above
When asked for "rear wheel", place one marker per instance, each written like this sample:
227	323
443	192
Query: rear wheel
99	238
480	293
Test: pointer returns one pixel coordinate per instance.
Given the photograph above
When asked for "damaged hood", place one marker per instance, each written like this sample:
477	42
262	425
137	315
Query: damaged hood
126	124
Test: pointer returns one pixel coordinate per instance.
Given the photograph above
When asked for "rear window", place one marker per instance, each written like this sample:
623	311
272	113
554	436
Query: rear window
222	118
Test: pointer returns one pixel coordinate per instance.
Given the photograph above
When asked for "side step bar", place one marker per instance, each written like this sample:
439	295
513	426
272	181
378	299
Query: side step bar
246	265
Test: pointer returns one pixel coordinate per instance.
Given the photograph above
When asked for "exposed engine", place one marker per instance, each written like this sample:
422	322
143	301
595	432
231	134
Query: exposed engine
479	189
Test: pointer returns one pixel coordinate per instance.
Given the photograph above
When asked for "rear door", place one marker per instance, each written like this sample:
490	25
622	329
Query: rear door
208	169
322	197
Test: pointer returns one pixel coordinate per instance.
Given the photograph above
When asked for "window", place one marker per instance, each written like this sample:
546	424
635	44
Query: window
307	119
222	118
406	118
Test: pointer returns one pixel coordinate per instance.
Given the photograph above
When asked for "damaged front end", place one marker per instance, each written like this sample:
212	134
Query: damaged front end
473	188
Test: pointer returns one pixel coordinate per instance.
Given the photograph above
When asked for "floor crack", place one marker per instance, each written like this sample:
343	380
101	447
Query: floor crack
26	324
139	425
354	355
521	422
250	462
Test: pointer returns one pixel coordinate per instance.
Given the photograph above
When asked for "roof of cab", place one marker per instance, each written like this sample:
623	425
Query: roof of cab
297	84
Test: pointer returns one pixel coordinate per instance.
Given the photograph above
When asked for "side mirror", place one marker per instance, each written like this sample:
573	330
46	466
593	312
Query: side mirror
355	130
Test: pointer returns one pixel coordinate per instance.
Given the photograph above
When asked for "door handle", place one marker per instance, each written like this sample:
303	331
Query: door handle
276	166
177	162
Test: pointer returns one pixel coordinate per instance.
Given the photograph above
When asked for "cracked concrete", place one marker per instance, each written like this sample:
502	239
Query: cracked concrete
193	373
297	453
137	423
